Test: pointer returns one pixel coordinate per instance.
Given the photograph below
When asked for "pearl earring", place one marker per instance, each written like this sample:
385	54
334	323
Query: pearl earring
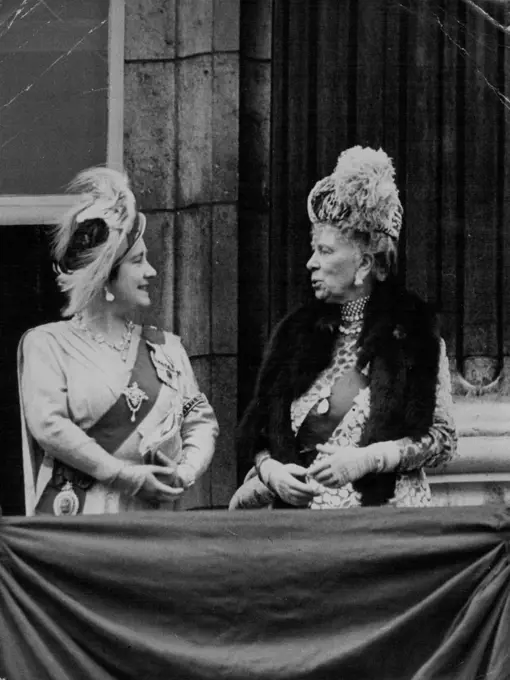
108	296
358	281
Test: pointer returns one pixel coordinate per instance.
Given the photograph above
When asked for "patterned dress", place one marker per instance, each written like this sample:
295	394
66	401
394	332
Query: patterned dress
436	447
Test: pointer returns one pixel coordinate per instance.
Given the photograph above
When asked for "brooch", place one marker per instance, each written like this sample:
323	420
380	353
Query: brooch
165	369
323	405
66	501
134	399
399	333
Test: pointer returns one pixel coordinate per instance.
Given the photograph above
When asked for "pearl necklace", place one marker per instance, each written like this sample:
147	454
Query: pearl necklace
353	314
122	346
354	310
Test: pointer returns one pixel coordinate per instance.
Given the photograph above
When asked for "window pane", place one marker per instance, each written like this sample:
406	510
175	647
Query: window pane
53	92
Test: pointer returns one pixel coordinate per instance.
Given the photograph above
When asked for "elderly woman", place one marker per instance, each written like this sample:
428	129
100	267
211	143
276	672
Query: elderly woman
353	397
112	416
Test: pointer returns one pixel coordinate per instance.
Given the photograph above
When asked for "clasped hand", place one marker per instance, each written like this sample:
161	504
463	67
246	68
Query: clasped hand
343	464
287	482
178	479
297	485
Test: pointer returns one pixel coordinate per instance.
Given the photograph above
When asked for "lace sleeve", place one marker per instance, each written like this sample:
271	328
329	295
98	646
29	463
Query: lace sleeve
439	445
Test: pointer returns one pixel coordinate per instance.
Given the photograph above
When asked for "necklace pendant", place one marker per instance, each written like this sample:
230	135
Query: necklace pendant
323	407
134	398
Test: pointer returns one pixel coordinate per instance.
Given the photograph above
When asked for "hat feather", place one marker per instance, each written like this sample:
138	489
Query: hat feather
104	194
360	193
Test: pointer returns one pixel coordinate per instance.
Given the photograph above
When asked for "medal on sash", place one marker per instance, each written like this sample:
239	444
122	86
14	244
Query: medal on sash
66	501
165	369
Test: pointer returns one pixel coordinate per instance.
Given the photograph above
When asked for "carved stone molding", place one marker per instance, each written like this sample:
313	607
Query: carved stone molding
480	473
482	377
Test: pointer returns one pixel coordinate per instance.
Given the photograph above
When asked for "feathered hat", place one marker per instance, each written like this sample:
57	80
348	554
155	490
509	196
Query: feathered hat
361	194
95	235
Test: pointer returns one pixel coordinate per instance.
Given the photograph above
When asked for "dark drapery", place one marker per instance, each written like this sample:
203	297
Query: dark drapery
364	594
428	80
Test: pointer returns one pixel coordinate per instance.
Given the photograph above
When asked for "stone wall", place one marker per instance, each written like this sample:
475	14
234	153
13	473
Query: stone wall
181	146
200	131
480	474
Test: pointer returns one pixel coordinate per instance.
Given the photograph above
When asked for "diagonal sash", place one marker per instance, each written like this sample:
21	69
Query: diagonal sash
65	492
117	424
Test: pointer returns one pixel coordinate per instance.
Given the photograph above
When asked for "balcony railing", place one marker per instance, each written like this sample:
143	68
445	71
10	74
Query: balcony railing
480	474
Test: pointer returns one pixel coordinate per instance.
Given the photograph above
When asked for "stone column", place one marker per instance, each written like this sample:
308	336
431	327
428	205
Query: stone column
181	151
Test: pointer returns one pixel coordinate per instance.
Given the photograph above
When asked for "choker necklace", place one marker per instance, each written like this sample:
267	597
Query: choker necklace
354	310
122	346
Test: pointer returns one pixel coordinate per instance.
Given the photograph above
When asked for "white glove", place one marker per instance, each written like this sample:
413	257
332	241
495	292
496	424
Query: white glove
284	481
142	480
344	464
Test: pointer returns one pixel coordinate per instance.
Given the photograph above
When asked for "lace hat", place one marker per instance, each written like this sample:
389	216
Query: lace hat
361	194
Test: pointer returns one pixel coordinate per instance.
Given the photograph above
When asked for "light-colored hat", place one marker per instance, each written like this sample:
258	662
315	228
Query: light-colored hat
95	235
361	194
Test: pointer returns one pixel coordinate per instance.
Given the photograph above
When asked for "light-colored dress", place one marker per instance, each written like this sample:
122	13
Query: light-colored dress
68	382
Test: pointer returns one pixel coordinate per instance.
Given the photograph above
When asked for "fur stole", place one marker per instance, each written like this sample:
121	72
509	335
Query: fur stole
400	343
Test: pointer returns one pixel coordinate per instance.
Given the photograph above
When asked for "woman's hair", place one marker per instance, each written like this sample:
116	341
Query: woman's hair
361	199
382	247
93	236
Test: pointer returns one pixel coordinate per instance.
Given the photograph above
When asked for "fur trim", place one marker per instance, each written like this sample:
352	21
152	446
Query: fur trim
400	341
300	347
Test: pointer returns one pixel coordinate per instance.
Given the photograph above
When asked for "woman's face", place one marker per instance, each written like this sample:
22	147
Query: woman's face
333	266
131	285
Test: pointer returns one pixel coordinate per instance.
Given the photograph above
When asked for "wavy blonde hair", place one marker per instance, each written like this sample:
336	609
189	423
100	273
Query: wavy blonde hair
101	219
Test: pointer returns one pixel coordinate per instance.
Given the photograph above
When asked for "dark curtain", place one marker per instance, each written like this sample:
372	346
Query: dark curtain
428	81
365	594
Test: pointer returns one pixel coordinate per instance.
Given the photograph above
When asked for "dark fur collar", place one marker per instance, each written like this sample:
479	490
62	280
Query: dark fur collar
399	340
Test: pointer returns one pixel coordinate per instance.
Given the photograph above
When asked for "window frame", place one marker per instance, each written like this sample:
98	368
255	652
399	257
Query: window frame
44	209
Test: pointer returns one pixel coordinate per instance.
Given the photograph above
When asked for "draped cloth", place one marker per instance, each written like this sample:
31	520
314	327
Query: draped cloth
376	594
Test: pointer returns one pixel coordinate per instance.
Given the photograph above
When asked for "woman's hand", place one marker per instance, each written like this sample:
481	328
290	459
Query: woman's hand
154	490
142	481
344	464
184	474
283	481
